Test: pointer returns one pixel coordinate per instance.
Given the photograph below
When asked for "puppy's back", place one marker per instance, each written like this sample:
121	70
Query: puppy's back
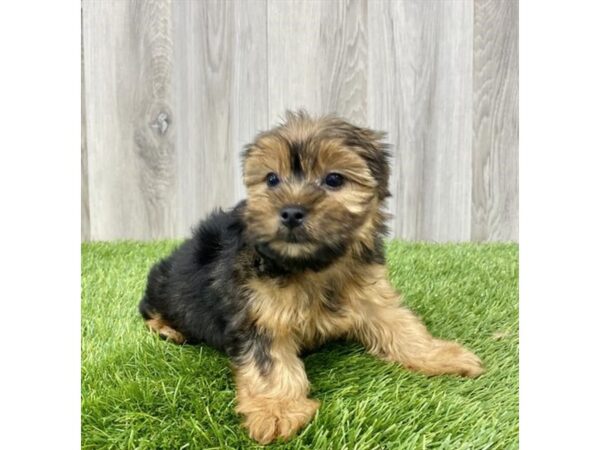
192	290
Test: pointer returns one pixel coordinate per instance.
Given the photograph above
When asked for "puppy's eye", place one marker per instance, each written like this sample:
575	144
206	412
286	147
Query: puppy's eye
272	179
334	180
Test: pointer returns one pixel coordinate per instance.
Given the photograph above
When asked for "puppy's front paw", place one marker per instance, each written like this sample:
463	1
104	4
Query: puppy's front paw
445	357
269	419
452	358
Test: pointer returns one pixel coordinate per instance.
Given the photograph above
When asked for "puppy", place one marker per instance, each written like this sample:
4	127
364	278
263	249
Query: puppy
300	262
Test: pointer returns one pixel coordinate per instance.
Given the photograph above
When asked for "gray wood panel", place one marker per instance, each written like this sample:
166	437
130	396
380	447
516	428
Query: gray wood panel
221	86
131	164
420	78
172	91
318	58
495	209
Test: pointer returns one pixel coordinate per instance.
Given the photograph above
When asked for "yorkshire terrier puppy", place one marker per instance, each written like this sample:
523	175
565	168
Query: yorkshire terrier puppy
300	262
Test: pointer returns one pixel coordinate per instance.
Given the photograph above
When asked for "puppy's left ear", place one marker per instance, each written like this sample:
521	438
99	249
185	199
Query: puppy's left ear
371	146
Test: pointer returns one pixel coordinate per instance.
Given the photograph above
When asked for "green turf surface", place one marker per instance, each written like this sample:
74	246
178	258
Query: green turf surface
141	392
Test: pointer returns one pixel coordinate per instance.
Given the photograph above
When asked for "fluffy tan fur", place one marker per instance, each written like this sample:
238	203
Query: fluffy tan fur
298	315
297	311
351	297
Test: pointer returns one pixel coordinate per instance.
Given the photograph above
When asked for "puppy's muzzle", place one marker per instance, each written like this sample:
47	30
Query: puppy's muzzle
292	216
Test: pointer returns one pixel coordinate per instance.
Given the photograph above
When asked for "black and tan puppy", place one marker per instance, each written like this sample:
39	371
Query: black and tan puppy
298	263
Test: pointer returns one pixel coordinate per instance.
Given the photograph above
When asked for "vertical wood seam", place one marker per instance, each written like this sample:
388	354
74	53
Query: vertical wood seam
85	198
268	45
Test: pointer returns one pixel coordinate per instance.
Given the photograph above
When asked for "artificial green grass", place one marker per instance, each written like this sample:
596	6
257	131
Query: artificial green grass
141	392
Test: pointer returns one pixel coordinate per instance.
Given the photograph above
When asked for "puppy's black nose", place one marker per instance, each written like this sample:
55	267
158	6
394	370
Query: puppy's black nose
292	216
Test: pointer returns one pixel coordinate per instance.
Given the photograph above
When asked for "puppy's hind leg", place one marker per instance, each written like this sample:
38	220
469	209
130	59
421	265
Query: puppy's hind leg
156	323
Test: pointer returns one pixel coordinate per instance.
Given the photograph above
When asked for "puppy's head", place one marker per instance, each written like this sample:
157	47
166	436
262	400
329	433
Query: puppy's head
314	188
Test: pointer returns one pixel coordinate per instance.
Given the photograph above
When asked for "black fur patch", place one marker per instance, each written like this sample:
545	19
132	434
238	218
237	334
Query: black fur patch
276	265
295	164
255	344
373	255
196	288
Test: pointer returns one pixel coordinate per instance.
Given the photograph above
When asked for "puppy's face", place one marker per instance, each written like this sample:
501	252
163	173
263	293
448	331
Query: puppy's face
312	186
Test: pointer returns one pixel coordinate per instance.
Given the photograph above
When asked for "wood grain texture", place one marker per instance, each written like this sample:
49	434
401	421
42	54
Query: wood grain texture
128	63
420	88
495	128
172	91
318	58
221	84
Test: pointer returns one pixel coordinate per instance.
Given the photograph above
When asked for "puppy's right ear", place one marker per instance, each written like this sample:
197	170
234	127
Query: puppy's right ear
370	145
376	153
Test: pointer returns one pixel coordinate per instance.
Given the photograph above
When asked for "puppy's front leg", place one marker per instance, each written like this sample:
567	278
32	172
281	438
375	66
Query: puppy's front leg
394	333
272	392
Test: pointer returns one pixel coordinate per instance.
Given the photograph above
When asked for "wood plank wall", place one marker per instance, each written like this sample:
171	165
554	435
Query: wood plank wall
174	89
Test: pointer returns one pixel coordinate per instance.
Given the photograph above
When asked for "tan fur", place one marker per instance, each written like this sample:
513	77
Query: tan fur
161	327
394	333
330	213
370	310
297	315
347	299
275	405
